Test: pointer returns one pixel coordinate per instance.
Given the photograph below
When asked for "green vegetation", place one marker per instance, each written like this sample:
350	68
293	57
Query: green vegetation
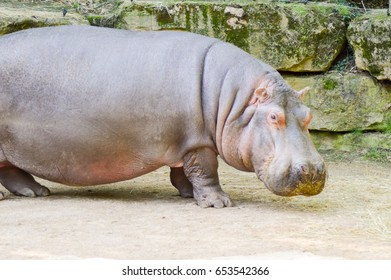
329	83
377	154
387	127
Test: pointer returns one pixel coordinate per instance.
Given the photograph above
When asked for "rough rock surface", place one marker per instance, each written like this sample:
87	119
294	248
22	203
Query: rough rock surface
346	101
370	36
14	17
371	145
294	37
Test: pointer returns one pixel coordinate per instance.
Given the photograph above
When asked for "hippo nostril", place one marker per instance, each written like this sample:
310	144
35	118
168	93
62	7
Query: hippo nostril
319	172
303	168
319	168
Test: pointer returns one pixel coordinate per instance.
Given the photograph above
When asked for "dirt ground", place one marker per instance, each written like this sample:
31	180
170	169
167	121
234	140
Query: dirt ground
145	219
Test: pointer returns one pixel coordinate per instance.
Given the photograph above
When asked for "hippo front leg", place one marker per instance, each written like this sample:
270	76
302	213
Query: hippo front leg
20	182
200	168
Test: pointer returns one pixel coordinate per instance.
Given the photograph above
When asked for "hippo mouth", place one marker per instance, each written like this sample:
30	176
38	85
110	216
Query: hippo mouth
292	182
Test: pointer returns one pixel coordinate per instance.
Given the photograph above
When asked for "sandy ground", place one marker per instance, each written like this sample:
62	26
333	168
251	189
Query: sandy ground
146	219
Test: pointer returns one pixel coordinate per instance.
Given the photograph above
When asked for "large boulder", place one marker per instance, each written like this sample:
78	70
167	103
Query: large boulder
370	37
15	16
290	37
346	101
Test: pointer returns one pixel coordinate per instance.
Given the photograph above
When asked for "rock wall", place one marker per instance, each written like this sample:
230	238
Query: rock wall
370	36
17	16
308	43
343	102
295	37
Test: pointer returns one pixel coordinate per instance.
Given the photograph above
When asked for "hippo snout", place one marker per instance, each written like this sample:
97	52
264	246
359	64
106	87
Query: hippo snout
307	179
299	179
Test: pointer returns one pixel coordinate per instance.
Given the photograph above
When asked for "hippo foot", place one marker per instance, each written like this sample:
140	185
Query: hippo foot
29	191
1	195
209	197
21	183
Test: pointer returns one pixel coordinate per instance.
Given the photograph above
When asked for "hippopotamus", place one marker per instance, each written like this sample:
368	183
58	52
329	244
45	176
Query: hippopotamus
83	105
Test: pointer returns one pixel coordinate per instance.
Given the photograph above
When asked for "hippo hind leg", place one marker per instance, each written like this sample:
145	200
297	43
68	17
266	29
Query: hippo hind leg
20	182
180	181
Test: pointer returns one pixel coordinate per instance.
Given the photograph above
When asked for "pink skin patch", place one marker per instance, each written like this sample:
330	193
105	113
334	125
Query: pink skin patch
277	119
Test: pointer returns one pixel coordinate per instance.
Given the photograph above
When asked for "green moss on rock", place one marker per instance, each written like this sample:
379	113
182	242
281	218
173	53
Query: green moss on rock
329	83
291	37
344	102
367	145
369	36
15	18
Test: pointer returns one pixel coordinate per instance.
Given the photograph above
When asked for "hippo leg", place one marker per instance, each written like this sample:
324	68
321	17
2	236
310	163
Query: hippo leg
180	181
1	195
20	182
201	169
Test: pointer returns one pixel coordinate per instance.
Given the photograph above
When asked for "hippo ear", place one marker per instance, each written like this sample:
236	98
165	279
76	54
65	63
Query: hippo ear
260	96
303	92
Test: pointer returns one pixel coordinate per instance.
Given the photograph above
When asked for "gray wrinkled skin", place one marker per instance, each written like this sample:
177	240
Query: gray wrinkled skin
85	105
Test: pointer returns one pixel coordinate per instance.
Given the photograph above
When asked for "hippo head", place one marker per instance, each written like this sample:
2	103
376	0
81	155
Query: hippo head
271	138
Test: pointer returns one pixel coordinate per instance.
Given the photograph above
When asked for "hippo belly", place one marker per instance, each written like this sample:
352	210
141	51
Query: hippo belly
76	149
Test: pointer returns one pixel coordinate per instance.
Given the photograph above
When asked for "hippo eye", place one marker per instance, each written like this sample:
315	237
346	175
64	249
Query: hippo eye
277	119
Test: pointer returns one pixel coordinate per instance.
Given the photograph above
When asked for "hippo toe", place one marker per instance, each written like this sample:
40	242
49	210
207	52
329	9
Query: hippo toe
214	199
